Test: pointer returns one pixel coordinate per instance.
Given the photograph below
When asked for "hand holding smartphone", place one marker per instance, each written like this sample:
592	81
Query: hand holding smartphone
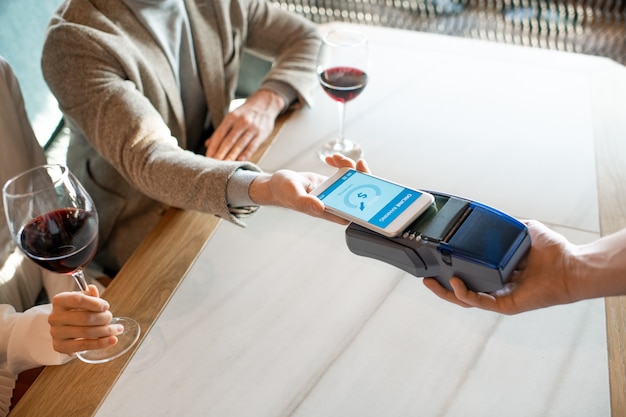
377	204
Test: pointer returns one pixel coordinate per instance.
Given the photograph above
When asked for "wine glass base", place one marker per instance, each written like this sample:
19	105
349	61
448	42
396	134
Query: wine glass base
347	148
125	341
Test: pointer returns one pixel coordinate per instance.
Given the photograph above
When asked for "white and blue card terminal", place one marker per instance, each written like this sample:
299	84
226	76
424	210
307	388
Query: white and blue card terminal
426	233
453	237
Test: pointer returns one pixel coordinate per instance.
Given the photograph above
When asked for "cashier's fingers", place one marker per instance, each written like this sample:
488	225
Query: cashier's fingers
442	292
466	298
503	301
473	299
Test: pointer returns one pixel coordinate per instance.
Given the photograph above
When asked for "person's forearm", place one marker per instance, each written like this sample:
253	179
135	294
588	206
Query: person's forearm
284	90
267	102
600	267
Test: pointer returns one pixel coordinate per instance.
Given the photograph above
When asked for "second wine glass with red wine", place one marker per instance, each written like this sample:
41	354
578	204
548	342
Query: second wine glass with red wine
342	72
54	222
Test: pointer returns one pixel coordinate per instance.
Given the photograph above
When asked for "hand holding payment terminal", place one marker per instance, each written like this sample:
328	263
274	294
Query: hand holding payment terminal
426	233
454	237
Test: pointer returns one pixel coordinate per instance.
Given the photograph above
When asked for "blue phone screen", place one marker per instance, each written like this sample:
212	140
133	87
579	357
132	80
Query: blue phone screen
371	199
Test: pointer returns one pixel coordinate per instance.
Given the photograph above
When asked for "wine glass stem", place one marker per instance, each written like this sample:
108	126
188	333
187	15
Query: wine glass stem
342	118
79	276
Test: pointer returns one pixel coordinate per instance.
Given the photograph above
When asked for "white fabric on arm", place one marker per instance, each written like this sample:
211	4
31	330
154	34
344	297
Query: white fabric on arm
7	384
26	339
25	343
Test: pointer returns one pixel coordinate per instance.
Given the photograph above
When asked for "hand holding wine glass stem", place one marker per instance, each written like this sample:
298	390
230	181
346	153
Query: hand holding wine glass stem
92	290
73	312
53	220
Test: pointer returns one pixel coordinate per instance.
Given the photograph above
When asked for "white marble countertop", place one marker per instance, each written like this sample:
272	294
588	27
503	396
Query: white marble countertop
280	319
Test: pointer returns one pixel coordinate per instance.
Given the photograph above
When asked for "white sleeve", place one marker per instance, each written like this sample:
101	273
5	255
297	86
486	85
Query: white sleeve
7	384
25	343
25	340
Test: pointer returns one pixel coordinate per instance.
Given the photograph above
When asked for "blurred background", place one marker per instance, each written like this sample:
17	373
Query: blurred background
595	27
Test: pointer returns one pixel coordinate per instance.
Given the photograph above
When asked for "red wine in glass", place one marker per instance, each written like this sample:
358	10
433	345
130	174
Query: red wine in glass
342	72
62	240
343	83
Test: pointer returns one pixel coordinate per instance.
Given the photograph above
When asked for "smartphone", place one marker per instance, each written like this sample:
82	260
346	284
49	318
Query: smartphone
374	203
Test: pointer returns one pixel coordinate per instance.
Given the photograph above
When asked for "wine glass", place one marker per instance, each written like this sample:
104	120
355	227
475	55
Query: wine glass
342	72
55	223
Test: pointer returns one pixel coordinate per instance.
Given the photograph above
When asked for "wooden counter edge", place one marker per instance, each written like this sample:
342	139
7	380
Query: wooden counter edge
609	104
141	290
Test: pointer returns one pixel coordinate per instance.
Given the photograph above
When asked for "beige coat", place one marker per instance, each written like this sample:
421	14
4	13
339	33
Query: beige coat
119	95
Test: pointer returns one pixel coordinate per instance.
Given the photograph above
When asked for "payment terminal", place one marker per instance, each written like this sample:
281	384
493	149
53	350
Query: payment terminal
453	237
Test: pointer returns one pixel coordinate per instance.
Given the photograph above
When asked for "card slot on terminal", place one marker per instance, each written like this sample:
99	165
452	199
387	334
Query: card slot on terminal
441	221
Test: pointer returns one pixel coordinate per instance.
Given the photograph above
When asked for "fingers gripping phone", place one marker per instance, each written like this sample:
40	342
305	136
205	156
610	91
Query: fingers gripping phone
374	203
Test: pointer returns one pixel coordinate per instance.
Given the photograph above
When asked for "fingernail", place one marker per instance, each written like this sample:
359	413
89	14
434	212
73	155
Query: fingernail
119	328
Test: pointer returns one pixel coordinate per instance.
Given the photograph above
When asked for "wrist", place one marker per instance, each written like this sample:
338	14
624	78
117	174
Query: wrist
599	268
259	189
267	102
577	272
286	91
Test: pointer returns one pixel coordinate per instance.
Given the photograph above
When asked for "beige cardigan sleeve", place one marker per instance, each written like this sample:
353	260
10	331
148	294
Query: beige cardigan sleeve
115	85
120	97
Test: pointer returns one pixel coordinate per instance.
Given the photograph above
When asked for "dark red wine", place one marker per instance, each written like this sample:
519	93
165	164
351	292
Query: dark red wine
62	241
343	83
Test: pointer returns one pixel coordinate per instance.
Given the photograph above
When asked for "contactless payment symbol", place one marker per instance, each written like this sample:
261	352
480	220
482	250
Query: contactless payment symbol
363	196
